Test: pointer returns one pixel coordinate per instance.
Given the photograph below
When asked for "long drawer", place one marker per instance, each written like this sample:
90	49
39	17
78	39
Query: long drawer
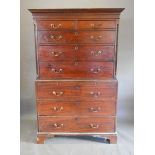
76	124
75	108
76	70
107	37
77	90
78	52
70	25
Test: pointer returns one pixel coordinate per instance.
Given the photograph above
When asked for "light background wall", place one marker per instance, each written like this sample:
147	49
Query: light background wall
125	52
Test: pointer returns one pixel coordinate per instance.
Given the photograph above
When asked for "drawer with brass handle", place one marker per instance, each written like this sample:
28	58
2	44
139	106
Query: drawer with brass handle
79	52
76	61
106	37
56	37
111	24
76	124
74	108
76	69
72	91
55	25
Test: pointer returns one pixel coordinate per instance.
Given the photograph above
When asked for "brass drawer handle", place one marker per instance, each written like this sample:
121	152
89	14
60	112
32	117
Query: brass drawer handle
57	109
95	70
94	109
53	26
95	94
94	126
56	70
96	53
96	38
58	125
95	25
76	48
55	53
57	93
56	37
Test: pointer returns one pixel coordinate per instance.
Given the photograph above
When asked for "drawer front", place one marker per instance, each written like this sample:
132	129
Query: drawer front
107	37
60	25
56	37
65	108
95	53
96	24
76	124
55	25
56	53
78	52
76	70
74	90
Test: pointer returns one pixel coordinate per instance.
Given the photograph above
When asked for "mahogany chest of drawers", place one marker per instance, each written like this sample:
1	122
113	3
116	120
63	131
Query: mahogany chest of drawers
76	59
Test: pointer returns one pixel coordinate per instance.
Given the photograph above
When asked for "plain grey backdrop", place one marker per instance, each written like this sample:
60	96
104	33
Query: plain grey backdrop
28	72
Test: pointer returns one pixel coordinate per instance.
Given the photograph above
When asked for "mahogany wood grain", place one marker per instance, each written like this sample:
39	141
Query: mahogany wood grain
76	70
72	25
74	14
42	137
76	57
74	108
76	124
56	37
76	52
55	25
56	53
92	25
108	37
72	90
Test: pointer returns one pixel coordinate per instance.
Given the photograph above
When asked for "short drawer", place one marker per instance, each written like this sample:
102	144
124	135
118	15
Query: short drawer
56	37
96	24
76	90
79	52
72	108
76	70
56	53
95	53
107	37
76	124
55	25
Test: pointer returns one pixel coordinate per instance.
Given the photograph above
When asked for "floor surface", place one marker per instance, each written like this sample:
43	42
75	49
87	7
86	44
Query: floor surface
73	145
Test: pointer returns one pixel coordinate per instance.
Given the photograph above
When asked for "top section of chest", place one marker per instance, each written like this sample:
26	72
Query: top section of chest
72	19
85	40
